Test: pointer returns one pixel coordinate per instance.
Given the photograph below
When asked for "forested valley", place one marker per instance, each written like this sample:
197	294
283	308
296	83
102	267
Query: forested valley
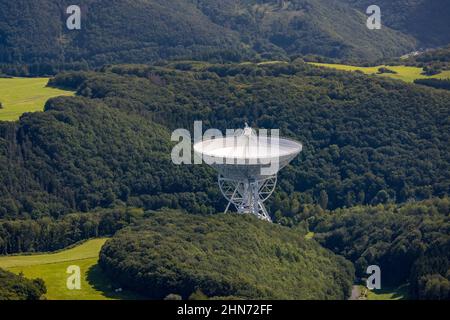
366	140
410	241
148	31
372	182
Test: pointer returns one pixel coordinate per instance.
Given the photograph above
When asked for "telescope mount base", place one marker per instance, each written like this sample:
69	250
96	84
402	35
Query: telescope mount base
248	196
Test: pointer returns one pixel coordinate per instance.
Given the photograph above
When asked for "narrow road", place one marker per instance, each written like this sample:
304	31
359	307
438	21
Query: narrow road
356	293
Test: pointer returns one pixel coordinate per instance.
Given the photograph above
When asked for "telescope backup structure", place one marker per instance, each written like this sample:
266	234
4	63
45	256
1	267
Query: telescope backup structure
248	165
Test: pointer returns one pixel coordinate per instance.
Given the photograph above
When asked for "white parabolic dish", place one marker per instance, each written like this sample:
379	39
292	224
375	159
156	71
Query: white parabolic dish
248	167
244	156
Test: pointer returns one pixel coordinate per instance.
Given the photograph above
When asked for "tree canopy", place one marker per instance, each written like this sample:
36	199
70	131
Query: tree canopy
16	287
409	242
366	140
238	30
221	256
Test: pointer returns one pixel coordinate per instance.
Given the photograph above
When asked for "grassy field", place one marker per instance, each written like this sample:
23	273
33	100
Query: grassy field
309	236
404	73
52	269
399	293
20	95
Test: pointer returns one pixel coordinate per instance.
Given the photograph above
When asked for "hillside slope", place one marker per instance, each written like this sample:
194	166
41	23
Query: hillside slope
111	31
16	287
410	242
221	256
82	149
118	31
425	20
323	27
367	140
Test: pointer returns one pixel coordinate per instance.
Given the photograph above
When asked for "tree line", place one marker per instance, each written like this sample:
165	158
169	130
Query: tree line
222	257
48	234
17	287
366	140
409	242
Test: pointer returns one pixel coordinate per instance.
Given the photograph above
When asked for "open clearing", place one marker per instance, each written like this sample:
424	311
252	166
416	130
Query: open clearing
52	269
400	293
20	95
407	74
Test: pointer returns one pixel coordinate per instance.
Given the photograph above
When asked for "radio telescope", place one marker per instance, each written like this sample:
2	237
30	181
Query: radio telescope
247	165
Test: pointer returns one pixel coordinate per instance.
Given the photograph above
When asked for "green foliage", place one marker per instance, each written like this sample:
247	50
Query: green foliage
431	70
198	295
223	255
301	27
432	59
409	242
440	55
430	274
436	60
16	287
366	140
154	30
435	83
81	154
386	70
112	31
48	234
426	21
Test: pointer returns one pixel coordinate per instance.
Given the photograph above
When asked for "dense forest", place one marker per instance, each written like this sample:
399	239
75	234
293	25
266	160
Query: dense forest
425	20
48	234
76	170
366	140
16	287
441	55
213	30
434	83
410	242
371	185
433	61
223	256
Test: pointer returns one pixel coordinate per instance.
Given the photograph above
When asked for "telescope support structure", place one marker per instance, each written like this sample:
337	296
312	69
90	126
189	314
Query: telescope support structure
248	196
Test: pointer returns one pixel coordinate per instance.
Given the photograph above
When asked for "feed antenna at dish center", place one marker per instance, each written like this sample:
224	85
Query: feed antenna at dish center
247	166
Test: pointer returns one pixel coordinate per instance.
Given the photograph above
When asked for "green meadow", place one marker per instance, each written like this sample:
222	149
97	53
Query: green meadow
404	73
52	269
309	236
400	293
20	95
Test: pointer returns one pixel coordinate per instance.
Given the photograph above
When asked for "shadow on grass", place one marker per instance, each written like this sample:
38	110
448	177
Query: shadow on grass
100	282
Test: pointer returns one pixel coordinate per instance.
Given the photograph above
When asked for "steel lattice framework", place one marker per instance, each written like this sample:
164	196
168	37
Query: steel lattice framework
247	165
248	196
